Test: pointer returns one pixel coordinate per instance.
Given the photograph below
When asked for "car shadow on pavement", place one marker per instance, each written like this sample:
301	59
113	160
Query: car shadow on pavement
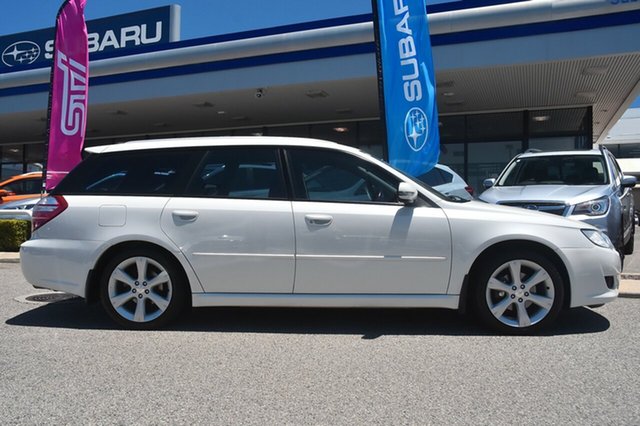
370	323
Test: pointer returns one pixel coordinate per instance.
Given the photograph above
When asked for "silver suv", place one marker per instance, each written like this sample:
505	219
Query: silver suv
582	185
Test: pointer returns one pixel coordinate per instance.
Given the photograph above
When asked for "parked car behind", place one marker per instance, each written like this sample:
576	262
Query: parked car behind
20	209
19	187
151	228
582	185
444	180
631	167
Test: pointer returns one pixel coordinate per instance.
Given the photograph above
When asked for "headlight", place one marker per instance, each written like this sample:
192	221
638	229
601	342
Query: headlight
598	238
593	208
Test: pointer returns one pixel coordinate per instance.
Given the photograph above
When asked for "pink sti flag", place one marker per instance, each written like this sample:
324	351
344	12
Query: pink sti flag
68	92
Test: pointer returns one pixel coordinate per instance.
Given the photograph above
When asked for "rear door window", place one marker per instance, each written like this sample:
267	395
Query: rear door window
158	172
239	173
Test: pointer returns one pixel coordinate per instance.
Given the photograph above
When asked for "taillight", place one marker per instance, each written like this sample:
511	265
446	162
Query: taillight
469	190
46	209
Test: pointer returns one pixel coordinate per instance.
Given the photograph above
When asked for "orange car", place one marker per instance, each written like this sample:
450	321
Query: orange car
20	187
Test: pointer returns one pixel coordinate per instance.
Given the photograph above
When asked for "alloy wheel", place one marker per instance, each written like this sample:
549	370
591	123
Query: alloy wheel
140	289
520	293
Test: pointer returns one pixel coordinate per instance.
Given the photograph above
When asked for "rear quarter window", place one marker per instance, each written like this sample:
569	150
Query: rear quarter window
131	173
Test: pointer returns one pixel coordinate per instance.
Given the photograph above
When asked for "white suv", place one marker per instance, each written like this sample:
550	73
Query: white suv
151	228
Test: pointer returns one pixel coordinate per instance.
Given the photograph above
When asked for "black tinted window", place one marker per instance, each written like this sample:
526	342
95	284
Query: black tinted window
239	173
333	176
131	173
32	186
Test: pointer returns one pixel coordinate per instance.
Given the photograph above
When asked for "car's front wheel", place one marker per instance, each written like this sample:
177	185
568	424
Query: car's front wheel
518	292
142	289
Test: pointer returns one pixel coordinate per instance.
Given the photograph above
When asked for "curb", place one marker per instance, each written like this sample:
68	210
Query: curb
630	276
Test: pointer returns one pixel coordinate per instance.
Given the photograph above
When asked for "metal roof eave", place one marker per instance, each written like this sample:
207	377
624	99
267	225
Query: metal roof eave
487	17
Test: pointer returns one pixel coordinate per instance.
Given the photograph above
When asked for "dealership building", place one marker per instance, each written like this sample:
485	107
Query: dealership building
510	75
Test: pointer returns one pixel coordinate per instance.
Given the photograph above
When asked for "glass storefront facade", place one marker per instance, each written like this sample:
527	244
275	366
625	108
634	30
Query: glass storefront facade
476	146
18	159
479	146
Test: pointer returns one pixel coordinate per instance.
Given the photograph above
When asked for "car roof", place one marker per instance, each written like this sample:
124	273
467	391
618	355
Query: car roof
217	141
22	176
559	153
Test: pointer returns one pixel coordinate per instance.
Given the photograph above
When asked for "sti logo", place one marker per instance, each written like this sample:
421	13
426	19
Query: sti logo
416	129
20	53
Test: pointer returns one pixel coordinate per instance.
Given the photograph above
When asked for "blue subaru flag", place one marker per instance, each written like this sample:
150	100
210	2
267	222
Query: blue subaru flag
408	80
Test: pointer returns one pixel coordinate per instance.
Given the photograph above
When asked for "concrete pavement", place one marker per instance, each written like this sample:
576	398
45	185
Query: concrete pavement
629	284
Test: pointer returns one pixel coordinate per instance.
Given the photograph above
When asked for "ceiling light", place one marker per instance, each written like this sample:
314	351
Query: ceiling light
316	94
204	104
596	70
541	118
448	94
341	129
446	83
344	111
586	94
222	112
240	118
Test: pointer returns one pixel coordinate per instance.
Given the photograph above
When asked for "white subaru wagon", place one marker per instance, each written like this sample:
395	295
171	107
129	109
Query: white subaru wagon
152	228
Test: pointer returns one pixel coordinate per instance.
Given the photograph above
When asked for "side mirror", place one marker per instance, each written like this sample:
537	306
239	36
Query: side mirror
629	181
488	183
407	193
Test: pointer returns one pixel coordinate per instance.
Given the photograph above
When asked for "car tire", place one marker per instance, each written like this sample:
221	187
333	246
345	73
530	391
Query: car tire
143	289
521	305
629	246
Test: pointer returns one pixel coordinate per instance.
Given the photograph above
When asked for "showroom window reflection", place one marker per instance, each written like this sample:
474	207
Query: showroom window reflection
476	146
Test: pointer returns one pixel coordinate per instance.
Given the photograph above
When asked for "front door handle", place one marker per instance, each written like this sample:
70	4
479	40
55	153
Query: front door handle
318	219
185	215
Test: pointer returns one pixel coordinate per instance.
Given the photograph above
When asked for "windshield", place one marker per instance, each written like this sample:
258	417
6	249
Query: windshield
555	170
432	190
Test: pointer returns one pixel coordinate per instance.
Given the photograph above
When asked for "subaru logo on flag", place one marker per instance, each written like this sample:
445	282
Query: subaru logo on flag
416	128
20	53
408	84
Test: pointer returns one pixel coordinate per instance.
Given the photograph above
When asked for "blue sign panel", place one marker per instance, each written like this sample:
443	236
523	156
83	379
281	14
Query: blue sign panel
409	85
35	48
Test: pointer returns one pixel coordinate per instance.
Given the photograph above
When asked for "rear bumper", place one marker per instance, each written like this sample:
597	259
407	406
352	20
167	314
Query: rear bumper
61	265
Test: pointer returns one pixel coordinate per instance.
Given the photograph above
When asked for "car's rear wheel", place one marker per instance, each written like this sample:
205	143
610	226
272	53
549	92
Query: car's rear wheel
518	292
142	289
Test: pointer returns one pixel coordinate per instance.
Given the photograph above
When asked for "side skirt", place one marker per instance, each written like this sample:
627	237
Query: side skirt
327	300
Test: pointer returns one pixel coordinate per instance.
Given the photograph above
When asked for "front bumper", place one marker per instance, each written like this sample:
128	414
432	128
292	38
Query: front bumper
594	273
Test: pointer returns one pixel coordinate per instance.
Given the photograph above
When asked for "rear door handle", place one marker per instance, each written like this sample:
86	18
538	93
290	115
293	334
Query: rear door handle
318	219
185	215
